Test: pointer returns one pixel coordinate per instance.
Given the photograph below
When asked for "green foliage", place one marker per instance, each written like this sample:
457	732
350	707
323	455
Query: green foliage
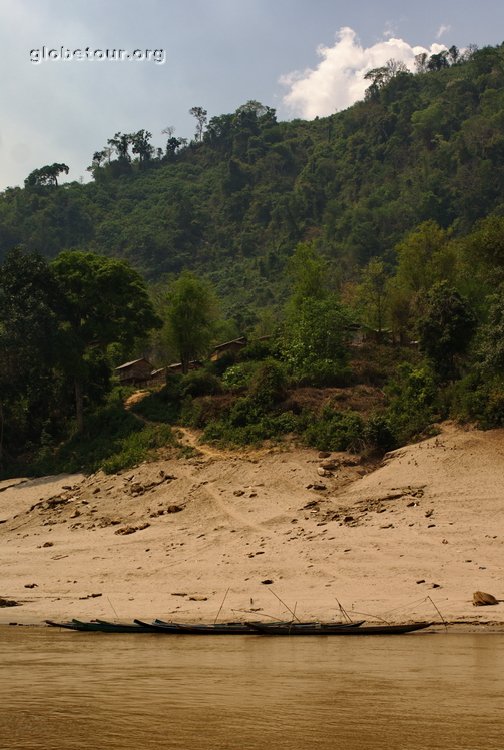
200	383
46	176
479	401
423	257
138	447
258	349
487	244
238	377
309	273
336	431
192	310
445	329
32	395
268	385
490	345
264	212
315	342
57	322
113	439
414	403
249	189
379	434
247	426
225	361
103	301
373	296
160	406
252	418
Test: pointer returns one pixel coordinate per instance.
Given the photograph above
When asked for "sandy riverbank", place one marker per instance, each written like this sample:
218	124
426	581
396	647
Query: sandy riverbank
169	538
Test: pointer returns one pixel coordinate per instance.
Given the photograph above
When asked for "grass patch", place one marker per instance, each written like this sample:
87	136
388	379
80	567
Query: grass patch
138	447
112	439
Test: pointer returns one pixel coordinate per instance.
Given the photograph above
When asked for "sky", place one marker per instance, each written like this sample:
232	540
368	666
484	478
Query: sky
305	59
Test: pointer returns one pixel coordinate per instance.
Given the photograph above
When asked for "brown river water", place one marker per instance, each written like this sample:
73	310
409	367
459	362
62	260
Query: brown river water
61	690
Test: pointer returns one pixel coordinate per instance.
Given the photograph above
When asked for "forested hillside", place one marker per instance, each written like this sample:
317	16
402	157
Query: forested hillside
234	202
368	246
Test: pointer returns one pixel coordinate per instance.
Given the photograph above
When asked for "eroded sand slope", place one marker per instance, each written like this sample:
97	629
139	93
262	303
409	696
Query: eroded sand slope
169	538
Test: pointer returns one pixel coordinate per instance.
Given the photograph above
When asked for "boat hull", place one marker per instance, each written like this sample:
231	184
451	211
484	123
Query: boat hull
97	626
340	630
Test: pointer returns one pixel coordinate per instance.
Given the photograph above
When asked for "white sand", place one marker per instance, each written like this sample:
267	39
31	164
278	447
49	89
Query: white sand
433	512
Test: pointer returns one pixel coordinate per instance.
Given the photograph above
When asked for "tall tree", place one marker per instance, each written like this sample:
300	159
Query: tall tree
28	346
373	294
309	273
140	144
424	257
105	301
121	143
315	340
46	176
192	311
446	328
201	119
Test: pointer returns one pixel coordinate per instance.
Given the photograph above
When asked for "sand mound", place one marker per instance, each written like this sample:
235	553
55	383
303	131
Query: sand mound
168	538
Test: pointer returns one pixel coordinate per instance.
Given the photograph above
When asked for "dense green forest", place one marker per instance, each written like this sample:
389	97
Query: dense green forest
389	214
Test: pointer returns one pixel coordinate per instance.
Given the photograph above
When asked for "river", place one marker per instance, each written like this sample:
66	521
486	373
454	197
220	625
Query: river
61	690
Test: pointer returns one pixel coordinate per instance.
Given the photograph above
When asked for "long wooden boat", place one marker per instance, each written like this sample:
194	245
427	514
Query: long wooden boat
234	628
270	629
227	628
98	626
313	625
66	625
121	627
237	628
277	623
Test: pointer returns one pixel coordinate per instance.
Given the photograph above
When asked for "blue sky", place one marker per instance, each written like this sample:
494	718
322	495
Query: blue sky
303	58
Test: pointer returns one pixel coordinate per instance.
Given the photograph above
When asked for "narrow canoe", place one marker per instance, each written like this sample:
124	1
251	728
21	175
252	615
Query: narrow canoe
121	627
98	626
65	625
267	629
236	628
239	628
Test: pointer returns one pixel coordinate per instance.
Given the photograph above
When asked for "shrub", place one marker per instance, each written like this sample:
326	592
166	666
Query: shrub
158	407
137	447
258	350
336	431
269	384
200	383
238	376
239	432
473	399
323	373
245	411
172	390
414	402
379	434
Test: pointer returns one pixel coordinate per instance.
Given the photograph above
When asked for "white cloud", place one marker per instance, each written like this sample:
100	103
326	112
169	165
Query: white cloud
443	29
338	80
390	29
